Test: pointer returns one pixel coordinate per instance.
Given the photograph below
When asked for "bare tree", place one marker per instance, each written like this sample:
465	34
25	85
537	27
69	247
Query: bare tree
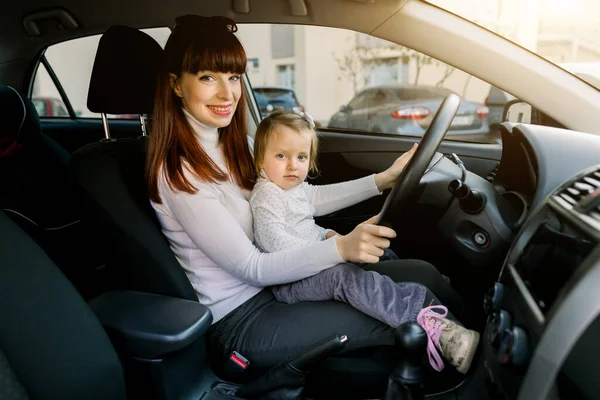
354	61
421	60
350	64
447	72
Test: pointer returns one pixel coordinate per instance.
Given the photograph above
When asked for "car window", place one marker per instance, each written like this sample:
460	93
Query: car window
564	32
71	64
356	83
380	98
360	101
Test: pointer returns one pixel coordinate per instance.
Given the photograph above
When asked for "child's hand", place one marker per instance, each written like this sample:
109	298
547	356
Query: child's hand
331	234
386	179
365	243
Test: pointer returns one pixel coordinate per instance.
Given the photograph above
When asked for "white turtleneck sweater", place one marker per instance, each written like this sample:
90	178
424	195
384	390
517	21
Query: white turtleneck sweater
210	233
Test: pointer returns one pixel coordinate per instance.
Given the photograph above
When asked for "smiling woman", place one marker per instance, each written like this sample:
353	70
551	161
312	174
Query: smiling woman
201	80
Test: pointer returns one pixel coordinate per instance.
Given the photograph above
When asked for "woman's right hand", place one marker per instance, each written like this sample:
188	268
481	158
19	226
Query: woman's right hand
365	243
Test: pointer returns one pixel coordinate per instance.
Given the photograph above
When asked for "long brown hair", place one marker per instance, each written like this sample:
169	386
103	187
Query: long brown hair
192	47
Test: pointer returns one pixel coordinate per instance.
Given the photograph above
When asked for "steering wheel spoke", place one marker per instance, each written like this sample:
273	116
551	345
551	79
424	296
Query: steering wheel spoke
407	182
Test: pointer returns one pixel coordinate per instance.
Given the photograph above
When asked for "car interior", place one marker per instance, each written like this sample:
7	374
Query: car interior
94	304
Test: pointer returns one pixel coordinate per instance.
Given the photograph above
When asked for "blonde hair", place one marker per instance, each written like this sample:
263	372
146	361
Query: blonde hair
289	119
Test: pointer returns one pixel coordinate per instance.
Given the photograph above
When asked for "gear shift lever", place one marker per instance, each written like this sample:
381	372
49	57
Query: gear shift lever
406	381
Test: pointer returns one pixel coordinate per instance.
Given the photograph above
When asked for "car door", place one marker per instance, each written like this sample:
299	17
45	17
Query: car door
360	110
352	116
378	102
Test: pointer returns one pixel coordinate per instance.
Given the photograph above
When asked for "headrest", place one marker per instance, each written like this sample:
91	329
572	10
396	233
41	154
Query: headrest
124	74
20	120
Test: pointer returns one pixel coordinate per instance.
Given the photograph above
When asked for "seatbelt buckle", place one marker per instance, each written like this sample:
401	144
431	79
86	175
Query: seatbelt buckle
239	360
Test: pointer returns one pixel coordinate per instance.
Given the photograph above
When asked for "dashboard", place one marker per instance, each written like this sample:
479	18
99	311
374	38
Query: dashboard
537	159
541	337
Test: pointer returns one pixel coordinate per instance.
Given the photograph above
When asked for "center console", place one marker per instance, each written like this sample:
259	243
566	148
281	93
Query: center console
544	310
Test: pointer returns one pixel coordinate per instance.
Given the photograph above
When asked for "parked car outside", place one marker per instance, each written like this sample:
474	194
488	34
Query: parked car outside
50	107
408	110
271	98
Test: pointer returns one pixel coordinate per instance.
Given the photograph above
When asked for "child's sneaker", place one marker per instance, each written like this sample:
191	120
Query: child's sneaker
457	343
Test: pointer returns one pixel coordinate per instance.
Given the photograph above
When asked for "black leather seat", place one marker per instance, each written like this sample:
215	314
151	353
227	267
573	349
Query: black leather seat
111	172
38	192
51	344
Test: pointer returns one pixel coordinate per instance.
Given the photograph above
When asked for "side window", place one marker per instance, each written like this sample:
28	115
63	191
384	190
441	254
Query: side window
360	101
71	65
380	98
45	95
354	82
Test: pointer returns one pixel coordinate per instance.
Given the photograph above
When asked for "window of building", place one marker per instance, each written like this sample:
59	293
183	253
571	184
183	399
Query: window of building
286	76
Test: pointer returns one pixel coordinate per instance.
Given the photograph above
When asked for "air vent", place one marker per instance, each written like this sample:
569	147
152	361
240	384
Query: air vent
581	188
582	195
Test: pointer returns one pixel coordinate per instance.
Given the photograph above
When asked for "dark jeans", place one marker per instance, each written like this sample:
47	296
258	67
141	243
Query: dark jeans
266	331
374	294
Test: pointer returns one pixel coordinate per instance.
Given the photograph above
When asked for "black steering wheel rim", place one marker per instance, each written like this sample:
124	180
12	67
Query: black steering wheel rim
411	175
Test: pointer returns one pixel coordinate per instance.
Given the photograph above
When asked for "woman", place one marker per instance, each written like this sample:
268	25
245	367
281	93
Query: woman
200	174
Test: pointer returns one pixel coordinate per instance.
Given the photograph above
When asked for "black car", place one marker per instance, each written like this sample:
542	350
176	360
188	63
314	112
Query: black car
271	98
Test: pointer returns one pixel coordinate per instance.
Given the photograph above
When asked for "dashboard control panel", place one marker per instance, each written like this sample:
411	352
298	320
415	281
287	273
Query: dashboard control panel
545	298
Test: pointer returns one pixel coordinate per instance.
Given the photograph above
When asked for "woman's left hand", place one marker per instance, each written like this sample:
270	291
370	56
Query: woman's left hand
386	179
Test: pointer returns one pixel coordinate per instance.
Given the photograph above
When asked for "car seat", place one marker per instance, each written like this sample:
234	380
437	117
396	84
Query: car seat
37	191
51	344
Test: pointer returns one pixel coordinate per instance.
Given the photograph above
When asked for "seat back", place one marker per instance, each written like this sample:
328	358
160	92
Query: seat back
111	172
51	344
33	168
38	192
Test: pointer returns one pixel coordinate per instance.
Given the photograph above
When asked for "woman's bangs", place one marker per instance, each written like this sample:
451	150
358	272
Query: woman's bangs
218	54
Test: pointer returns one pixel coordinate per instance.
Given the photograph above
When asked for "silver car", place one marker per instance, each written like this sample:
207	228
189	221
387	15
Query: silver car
408	110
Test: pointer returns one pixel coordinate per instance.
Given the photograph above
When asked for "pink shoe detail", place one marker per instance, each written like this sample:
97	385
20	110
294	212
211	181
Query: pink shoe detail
429	320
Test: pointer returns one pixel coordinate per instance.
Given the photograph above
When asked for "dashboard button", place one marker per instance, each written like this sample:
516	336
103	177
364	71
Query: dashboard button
499	322
493	299
514	347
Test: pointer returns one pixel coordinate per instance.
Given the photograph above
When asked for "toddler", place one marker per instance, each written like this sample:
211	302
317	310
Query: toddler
283	206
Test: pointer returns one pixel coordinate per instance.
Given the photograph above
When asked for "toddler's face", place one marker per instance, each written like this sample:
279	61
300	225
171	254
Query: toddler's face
286	159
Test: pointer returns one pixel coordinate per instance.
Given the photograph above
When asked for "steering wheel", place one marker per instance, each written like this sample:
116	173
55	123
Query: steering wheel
409	178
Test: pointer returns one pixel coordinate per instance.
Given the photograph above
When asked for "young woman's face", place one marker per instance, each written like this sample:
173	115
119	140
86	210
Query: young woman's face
211	97
287	157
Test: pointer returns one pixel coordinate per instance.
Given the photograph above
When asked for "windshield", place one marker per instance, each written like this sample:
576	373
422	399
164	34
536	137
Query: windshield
565	32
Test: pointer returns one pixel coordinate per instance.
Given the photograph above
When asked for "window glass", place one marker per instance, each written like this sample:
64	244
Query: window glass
72	63
358	83
46	97
359	101
564	32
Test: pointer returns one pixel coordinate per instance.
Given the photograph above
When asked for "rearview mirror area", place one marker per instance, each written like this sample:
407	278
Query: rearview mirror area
517	111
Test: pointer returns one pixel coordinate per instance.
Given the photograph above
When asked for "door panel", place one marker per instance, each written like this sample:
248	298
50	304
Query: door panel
75	133
375	152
